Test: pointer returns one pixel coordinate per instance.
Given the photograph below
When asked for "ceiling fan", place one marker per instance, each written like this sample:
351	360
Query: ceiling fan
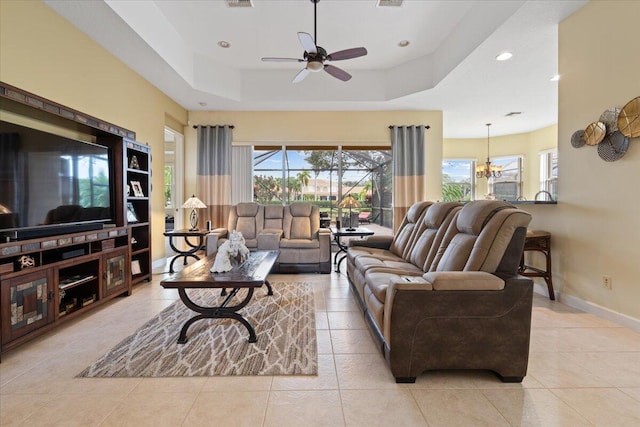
315	56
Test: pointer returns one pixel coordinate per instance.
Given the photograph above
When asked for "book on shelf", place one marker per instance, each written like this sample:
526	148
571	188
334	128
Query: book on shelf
135	267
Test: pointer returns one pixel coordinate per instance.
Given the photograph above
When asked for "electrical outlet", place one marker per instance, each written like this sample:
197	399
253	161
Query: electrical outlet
606	282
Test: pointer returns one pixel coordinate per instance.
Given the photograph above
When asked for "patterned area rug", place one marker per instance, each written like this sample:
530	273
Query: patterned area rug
284	324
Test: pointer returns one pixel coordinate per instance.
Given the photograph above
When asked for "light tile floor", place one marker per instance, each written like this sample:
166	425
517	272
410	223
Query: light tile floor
583	371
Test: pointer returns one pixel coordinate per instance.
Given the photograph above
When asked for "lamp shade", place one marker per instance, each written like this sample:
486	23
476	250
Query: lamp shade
193	203
349	202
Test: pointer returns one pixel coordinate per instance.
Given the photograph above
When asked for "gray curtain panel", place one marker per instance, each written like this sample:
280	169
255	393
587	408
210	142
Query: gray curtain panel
213	175
408	151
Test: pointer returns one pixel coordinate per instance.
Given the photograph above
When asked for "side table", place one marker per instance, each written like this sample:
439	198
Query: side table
538	241
193	248
342	248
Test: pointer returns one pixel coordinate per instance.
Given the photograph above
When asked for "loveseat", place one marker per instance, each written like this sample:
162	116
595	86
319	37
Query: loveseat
293	229
444	292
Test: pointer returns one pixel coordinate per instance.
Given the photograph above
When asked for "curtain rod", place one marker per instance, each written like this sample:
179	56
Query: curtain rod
196	126
426	127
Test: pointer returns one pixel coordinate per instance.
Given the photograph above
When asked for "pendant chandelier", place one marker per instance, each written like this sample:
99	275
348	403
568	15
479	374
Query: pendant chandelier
488	170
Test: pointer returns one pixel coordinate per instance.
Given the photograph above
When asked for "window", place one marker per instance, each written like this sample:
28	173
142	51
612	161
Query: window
549	172
168	186
323	177
458	180
93	182
509	185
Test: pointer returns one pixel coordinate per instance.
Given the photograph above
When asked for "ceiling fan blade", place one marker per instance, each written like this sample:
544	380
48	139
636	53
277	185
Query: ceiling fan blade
347	54
282	60
338	73
301	75
307	43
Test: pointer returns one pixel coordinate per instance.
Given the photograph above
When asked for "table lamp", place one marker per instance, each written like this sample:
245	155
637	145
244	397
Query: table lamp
193	203
349	202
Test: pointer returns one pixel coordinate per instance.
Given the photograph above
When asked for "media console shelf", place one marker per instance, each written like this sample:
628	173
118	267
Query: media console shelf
71	273
76	270
138	176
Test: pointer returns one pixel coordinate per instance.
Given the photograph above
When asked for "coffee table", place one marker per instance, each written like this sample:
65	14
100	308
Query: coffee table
249	275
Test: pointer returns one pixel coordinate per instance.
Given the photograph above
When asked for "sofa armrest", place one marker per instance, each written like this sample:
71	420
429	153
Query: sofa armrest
213	238
380	242
464	281
324	236
401	284
269	239
413	310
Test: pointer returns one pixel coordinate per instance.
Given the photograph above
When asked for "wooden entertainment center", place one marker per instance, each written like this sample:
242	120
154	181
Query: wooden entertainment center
48	280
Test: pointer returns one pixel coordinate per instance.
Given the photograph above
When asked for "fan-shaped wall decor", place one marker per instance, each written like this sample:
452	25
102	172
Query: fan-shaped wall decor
595	133
629	119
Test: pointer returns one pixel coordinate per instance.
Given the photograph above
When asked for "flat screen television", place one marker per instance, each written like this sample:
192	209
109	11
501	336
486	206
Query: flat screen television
49	184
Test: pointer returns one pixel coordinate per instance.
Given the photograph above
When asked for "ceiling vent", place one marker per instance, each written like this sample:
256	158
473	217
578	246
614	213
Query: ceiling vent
389	3
239	3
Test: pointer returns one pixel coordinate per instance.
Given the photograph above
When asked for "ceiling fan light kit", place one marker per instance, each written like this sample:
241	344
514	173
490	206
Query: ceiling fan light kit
315	56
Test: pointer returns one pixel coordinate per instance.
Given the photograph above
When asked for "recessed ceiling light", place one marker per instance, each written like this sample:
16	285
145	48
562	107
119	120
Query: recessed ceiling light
224	44
202	104
513	113
404	43
504	56
555	78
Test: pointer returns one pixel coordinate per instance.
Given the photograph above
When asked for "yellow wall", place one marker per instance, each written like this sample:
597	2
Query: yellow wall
595	224
42	53
529	145
293	128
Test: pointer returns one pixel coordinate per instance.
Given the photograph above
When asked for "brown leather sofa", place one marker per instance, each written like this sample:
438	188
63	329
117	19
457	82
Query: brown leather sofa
444	292
293	229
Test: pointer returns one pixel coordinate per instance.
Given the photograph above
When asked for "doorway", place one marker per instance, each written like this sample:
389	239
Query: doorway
173	182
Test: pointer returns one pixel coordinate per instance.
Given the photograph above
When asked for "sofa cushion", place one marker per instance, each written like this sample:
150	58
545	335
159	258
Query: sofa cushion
378	280
300	228
300	209
464	281
432	229
247	209
251	243
300	243
297	256
475	216
269	239
478	239
246	218
247	226
301	221
402	241
273	216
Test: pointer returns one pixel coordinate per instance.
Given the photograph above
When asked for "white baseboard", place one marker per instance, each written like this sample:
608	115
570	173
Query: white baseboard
592	308
159	263
542	290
